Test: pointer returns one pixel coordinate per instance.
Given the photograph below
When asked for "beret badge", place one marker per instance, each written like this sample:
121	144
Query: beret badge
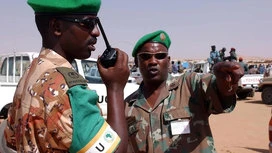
162	36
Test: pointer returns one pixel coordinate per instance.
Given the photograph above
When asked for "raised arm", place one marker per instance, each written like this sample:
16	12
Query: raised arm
115	79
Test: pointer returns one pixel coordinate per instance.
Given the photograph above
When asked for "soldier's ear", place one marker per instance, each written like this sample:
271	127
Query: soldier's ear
56	26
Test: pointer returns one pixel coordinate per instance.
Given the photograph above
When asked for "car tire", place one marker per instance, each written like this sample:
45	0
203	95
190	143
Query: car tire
4	111
267	95
242	95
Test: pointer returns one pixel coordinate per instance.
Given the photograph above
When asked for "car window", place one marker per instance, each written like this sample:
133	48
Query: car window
91	71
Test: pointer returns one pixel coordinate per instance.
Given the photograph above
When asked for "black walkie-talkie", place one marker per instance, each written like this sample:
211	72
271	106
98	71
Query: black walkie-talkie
109	56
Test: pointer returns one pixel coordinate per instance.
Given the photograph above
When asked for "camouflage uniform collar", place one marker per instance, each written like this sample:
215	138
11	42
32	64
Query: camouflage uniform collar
140	101
57	59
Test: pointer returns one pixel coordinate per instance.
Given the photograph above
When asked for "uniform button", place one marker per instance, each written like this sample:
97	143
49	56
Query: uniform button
54	131
47	145
59	138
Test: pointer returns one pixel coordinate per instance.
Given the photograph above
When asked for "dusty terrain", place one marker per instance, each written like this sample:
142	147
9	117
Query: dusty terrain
245	130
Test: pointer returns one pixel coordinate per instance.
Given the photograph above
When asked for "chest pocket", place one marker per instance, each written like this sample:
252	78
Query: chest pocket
181	110
177	121
175	114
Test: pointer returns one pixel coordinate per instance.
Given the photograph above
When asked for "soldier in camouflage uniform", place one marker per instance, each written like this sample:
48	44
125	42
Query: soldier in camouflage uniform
53	108
171	114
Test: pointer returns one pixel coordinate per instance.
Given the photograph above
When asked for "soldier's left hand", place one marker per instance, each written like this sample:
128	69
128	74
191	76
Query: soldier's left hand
227	75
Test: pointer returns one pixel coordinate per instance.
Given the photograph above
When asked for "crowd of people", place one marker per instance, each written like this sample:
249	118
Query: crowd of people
176	67
215	57
260	69
219	56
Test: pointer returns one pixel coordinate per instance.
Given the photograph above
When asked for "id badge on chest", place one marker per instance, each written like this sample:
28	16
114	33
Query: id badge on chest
180	126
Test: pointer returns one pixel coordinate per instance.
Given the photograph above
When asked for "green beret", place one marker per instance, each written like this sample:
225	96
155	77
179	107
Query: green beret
65	6
159	36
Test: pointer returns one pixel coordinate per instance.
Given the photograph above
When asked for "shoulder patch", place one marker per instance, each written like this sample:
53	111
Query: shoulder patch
71	77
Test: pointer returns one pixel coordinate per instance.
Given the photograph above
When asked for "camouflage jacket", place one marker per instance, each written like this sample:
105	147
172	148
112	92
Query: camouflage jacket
54	111
178	122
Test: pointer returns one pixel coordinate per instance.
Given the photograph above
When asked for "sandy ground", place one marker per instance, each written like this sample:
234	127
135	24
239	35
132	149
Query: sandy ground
245	130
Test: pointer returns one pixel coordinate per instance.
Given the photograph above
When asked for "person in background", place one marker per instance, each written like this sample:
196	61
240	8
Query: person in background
198	69
252	69
53	108
232	57
222	54
171	114
214	56
180	67
261	69
174	67
268	70
243	65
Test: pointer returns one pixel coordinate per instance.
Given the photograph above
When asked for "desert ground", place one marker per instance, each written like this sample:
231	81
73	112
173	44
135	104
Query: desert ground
245	130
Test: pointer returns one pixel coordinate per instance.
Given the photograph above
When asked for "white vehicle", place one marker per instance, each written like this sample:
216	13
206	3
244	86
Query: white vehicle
251	80
248	84
12	67
204	66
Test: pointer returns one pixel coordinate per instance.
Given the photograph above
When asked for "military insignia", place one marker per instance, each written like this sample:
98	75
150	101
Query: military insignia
132	125
132	129
109	136
73	75
162	36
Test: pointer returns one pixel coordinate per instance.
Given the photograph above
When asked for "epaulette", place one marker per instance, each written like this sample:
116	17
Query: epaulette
71	77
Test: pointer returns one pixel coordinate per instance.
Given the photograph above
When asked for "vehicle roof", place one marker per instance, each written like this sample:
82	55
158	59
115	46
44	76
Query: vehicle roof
90	58
19	53
29	54
35	54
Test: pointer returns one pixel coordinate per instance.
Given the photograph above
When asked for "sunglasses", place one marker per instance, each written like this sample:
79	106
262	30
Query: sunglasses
88	23
147	55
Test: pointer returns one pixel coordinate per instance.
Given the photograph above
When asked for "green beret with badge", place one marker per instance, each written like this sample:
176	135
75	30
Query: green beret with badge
65	6
159	36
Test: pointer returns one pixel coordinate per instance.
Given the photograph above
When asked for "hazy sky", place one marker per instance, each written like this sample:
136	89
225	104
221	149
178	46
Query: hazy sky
193	25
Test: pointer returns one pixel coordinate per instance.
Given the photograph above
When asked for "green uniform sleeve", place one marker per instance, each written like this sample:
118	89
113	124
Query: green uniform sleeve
91	133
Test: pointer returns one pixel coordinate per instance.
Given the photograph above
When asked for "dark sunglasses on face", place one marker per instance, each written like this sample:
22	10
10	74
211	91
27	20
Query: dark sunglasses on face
157	55
88	23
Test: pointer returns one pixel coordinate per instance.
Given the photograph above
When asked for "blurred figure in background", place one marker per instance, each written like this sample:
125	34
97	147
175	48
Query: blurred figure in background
268	70
232	57
252	69
222	54
243	65
214	56
174	67
261	69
